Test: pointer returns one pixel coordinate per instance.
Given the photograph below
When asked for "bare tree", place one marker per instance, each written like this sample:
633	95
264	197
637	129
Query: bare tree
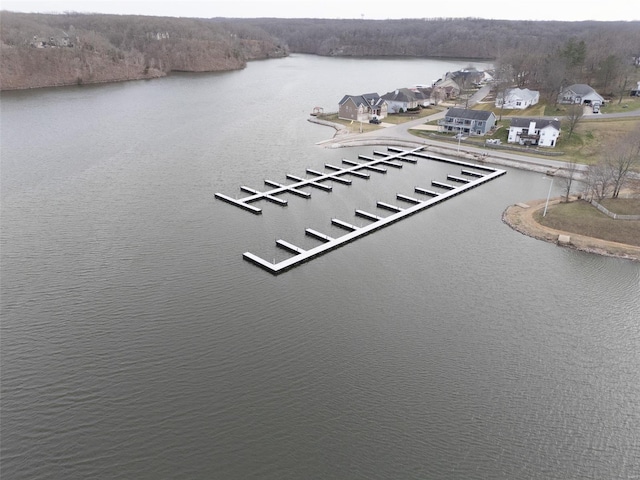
463	82
553	77
569	175
573	117
598	181
437	95
609	70
621	158
624	79
503	81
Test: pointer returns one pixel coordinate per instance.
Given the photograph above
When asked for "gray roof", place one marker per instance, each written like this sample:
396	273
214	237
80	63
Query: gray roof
466	75
540	122
368	99
469	114
521	93
372	98
400	95
581	89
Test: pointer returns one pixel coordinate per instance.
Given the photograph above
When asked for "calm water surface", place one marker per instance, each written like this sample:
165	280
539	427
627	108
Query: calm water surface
136	342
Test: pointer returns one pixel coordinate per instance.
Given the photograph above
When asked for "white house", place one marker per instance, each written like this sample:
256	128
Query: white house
534	131
517	98
580	93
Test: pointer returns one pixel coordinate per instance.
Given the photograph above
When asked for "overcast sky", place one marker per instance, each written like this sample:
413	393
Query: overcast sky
565	10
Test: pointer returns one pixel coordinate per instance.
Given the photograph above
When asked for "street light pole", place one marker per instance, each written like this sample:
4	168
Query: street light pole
548	196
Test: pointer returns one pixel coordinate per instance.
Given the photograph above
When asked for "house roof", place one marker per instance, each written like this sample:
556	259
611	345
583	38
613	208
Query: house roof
581	89
372	98
400	95
466	75
447	82
421	94
540	122
521	93
368	99
469	114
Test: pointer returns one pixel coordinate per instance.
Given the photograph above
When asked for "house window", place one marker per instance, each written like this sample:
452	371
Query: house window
518	103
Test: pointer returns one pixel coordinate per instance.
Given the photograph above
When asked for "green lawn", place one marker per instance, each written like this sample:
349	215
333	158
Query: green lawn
587	142
591	138
582	218
622	206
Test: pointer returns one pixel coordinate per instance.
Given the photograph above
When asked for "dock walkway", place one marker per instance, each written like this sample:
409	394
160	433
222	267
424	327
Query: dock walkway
471	176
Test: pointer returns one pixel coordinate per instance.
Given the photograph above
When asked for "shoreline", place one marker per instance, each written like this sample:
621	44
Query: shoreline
520	218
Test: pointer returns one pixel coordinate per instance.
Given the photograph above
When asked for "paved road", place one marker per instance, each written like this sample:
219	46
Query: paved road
399	134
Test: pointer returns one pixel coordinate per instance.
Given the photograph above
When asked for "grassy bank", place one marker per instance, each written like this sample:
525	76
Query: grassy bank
582	218
591	136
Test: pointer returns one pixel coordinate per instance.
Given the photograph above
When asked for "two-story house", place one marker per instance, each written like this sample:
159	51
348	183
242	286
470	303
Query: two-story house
534	131
447	89
467	122
362	108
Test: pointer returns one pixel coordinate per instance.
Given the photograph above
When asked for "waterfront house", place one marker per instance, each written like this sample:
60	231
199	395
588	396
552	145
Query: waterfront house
517	98
534	131
423	95
467	77
467	122
580	93
447	89
362	108
401	100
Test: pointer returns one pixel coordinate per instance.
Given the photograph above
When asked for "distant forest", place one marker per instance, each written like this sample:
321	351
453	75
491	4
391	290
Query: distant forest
45	50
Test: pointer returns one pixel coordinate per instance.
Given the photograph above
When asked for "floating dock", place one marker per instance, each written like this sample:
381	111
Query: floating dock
239	203
424	191
473	175
337	174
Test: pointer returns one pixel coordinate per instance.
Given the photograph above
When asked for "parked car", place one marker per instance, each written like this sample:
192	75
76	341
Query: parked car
596	107
375	121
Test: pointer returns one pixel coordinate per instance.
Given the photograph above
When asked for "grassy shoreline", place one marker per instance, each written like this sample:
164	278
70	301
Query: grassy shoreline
575	220
582	218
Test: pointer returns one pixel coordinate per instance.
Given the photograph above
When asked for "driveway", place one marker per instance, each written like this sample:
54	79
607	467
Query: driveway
400	135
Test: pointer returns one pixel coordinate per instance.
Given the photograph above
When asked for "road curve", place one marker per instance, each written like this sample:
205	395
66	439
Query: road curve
401	135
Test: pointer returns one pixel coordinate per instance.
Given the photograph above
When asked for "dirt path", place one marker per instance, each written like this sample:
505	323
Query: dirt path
520	218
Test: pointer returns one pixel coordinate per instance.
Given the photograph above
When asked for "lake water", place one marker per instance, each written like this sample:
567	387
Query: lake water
137	344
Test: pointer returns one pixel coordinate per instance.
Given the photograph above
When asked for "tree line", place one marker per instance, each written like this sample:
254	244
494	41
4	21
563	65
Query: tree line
538	55
47	50
535	54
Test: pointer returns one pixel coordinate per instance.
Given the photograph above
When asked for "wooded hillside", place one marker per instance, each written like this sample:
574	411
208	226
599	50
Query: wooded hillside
46	50
42	50
452	38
